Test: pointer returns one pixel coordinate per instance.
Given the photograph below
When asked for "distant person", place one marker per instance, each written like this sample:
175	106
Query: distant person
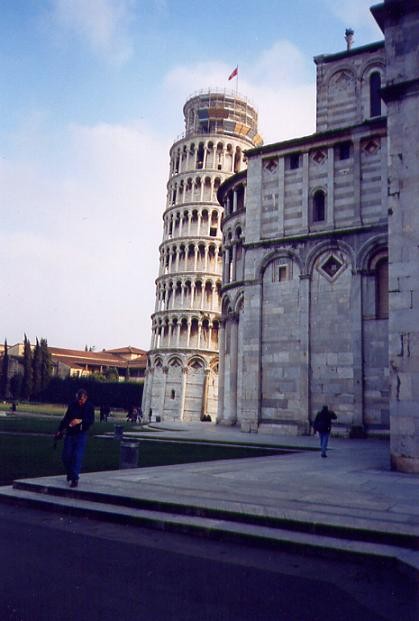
105	410
323	425
130	414
77	420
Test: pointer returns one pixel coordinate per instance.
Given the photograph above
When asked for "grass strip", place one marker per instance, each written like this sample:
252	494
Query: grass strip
23	454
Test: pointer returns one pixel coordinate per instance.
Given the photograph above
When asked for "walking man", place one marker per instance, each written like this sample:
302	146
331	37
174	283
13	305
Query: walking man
77	420
323	424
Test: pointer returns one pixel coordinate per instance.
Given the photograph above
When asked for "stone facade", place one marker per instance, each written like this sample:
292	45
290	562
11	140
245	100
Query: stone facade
182	372
305	293
399	21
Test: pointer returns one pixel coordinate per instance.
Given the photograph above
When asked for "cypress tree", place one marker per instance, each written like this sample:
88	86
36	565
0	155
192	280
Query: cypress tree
4	379
45	364
27	369
37	369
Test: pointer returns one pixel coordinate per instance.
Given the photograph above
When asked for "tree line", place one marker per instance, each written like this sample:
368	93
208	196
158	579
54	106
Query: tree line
28	383
30	378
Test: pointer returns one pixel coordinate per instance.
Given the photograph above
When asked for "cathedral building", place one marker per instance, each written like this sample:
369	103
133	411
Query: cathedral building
299	286
308	315
304	297
182	372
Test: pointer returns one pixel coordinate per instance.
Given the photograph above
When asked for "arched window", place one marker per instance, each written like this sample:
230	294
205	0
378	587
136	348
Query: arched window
381	289
240	197
375	96
319	208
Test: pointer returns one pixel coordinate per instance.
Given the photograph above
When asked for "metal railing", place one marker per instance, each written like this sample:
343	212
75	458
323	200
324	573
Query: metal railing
222	91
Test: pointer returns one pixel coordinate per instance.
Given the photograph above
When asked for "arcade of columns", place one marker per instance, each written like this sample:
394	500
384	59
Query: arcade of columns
182	373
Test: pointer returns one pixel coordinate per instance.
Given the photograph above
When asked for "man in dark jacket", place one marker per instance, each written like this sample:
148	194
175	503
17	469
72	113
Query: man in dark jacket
323	425
78	419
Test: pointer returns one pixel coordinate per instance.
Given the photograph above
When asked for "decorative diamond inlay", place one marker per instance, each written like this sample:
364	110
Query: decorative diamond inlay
371	147
319	156
272	165
332	266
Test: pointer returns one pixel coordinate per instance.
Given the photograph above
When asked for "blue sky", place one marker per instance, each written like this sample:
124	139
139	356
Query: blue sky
91	96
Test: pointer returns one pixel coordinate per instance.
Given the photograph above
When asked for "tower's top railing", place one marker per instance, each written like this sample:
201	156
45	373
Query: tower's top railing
226	92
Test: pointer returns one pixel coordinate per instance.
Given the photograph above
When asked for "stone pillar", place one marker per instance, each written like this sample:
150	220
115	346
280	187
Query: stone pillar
199	333
400	23
206	258
183	392
234	319
357	179
233	270
188	337
221	343
214	296
304	321
305	196
204	406
196	258
357	349
148	387
163	393
330	196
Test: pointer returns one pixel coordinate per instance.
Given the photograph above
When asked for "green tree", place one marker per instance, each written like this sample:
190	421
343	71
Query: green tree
16	384
45	364
4	377
111	374
27	383
37	369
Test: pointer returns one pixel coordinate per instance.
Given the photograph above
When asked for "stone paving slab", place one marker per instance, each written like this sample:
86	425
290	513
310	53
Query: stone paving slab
351	496
308	543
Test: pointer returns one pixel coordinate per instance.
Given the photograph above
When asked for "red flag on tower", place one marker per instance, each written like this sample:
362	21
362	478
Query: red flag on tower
234	73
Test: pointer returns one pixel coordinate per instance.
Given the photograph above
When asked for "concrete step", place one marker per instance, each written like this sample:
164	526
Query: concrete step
324	525
228	530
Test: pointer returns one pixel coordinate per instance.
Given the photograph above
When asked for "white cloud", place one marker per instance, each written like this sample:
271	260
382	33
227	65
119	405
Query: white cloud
102	24
281	83
356	14
82	242
82	215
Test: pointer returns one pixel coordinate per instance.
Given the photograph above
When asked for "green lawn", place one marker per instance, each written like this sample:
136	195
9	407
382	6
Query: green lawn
47	409
24	454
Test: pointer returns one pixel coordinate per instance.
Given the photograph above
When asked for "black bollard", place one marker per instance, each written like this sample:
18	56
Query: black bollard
128	454
118	432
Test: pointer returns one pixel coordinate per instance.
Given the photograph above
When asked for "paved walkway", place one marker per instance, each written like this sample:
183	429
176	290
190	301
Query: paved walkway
350	503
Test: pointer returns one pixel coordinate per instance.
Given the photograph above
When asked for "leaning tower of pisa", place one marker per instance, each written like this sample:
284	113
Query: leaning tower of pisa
182	373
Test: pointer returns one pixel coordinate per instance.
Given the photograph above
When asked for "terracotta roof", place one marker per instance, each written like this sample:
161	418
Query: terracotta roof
126	350
86	357
70	363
